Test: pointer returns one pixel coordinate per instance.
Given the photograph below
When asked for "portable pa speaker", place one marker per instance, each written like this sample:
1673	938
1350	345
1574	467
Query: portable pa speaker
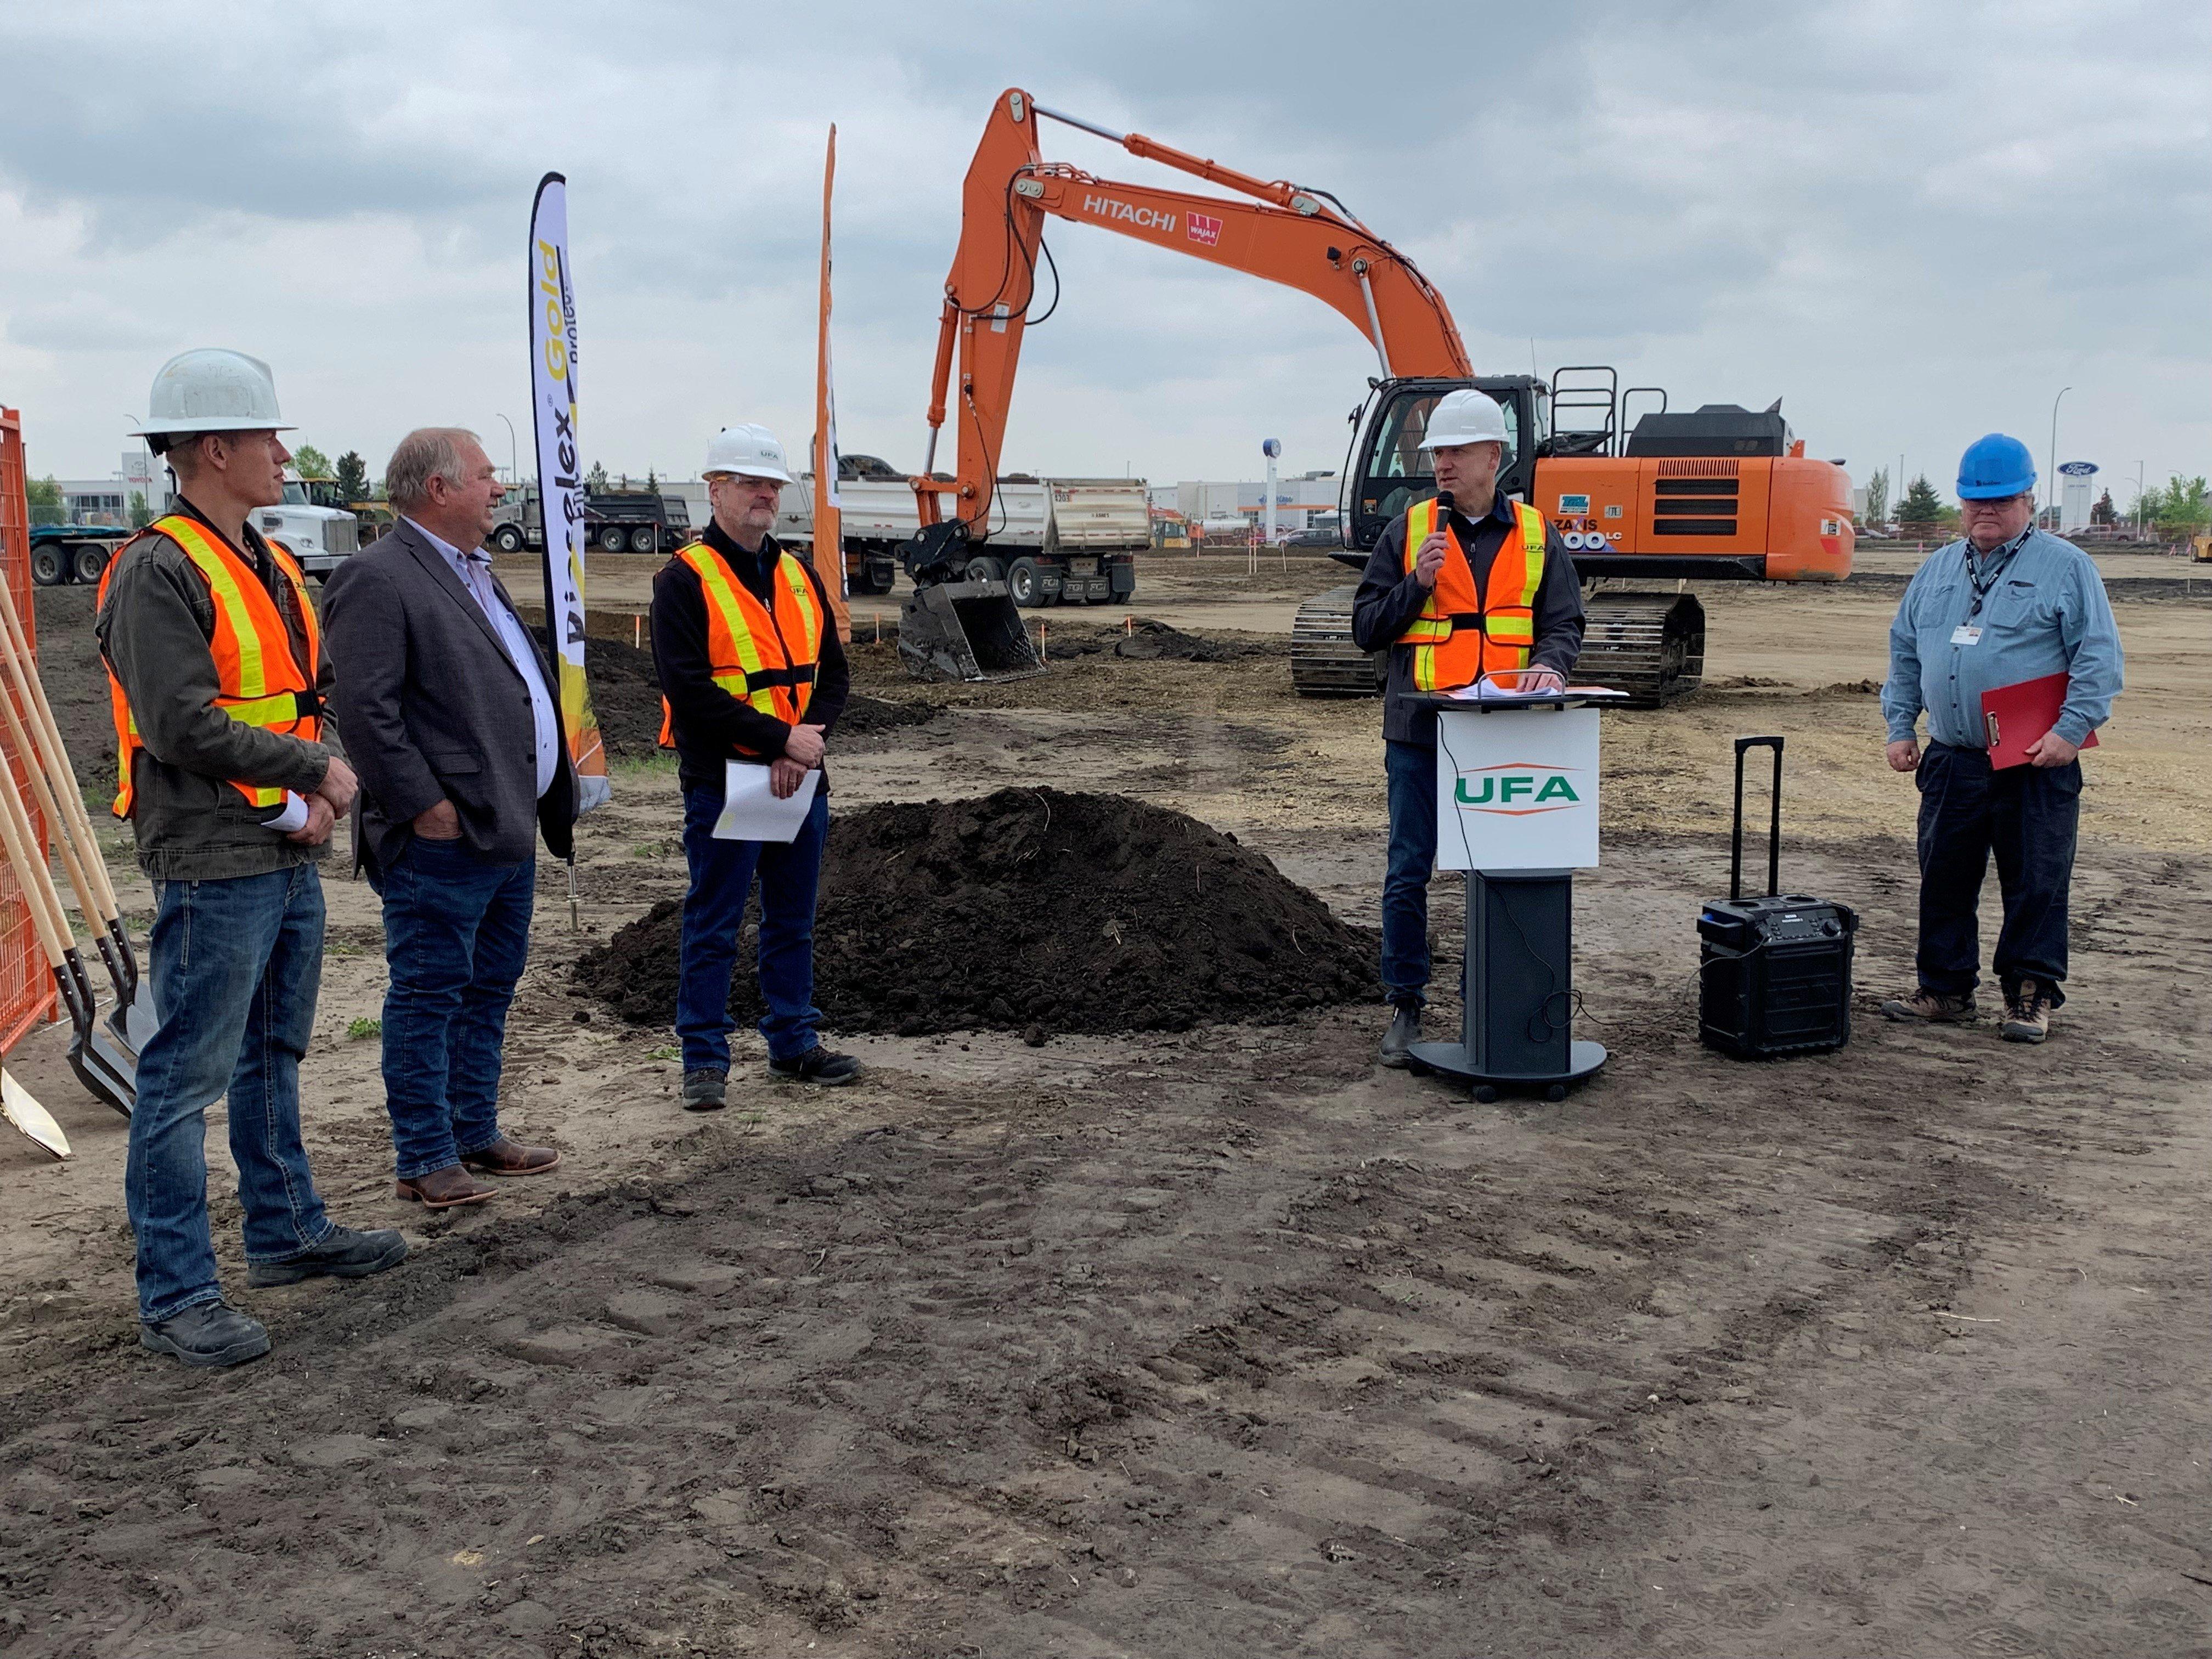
1775	972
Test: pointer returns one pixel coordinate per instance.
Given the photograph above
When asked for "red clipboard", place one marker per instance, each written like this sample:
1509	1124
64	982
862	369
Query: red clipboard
2015	717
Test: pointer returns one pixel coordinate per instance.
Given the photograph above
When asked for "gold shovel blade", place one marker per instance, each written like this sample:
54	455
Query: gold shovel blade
21	1107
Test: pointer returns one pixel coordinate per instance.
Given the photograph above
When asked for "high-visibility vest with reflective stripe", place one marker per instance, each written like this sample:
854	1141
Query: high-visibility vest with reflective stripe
258	677
1462	635
763	656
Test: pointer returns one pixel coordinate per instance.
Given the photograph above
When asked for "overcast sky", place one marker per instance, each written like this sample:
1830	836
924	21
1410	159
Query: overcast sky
1913	222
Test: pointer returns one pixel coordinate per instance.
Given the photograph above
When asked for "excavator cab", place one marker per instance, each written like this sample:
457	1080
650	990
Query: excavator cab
1390	471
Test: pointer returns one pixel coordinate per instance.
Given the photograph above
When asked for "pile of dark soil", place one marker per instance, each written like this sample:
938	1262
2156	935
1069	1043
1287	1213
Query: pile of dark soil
869	717
1031	908
625	695
1147	640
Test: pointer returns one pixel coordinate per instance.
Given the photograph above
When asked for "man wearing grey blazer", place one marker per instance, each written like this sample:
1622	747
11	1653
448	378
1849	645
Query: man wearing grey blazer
453	722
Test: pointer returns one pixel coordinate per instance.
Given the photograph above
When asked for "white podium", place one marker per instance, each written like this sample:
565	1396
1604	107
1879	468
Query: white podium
1517	810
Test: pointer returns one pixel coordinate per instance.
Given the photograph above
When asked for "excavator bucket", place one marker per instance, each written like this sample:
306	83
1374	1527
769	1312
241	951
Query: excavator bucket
965	631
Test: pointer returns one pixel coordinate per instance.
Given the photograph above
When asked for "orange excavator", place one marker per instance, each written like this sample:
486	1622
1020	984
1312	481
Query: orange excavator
1717	493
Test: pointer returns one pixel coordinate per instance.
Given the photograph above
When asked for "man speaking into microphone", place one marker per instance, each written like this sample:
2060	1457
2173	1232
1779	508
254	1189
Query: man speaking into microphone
1454	591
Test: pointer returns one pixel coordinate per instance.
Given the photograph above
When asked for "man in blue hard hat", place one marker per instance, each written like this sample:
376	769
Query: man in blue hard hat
2005	602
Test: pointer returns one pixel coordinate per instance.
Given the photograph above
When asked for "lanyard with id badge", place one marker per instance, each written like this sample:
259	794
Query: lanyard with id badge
1969	632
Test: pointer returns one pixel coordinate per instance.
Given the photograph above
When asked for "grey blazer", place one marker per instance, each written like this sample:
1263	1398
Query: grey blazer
432	707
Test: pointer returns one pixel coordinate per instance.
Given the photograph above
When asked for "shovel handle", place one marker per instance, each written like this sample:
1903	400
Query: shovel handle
54	754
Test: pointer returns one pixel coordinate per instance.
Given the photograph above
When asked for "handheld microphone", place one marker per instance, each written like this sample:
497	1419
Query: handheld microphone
1444	503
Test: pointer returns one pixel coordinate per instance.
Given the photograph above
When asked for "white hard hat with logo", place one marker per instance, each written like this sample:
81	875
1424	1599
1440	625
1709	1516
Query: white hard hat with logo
211	390
750	451
1465	416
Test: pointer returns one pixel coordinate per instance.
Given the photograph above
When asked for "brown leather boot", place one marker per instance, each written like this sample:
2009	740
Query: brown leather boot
1933	1007
511	1158
442	1189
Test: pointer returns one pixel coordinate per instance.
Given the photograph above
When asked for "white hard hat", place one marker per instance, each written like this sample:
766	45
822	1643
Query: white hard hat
1466	416
212	390
750	452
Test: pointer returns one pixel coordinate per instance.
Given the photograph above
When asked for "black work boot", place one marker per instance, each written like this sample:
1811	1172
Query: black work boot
817	1065
344	1254
705	1089
1405	1031
206	1333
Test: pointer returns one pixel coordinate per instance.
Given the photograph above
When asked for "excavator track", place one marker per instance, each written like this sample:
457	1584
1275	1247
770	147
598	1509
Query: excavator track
1651	646
1324	662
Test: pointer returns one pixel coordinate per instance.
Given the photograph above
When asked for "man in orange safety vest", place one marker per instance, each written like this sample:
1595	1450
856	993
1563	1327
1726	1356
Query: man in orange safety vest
216	676
1464	583
752	675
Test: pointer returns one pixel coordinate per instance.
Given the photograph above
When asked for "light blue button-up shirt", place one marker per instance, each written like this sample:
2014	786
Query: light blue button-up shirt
2043	611
474	571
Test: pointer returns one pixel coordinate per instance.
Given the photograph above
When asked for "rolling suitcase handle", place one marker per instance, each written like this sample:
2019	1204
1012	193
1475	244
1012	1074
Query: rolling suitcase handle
1774	828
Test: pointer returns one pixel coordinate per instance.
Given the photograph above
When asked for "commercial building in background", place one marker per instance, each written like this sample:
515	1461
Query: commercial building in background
108	501
1224	506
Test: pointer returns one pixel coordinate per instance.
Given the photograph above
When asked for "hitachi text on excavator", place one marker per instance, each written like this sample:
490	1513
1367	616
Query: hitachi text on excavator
1719	493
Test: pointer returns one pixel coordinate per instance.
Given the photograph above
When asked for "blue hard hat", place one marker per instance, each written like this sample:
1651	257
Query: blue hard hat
1995	466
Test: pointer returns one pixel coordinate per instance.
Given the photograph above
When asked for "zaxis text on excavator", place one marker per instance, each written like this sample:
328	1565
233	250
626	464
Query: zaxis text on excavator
1720	493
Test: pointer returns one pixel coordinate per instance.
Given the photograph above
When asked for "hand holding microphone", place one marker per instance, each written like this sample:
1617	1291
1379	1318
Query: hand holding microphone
1429	559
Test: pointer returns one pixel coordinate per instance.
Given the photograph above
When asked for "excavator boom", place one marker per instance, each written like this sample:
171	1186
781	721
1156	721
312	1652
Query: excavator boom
1298	237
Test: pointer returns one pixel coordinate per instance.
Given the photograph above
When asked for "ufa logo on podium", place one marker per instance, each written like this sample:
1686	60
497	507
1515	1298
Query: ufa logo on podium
1517	789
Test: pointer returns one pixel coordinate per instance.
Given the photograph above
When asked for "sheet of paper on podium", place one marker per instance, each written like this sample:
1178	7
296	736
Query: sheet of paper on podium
1505	686
751	812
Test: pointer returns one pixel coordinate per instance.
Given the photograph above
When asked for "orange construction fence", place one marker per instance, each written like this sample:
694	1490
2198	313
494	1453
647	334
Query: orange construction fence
27	984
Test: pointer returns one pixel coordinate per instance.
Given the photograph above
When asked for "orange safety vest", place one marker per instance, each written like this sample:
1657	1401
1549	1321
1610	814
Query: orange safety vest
259	678
1459	637
764	657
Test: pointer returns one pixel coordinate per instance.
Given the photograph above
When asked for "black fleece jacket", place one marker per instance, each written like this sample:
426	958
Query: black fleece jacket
709	723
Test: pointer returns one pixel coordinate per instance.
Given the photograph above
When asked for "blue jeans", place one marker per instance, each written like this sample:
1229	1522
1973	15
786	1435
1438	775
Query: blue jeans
721	876
1412	769
2027	815
236	965
456	935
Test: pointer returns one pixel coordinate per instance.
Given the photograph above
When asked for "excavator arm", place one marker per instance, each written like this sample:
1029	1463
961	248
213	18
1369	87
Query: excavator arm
1286	234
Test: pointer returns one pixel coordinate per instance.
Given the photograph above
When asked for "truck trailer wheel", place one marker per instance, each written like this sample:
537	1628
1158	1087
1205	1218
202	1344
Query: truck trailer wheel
46	566
984	568
86	560
1026	583
613	538
646	540
508	538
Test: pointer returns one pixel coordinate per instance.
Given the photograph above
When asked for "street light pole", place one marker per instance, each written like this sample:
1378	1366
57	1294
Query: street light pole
511	449
2051	482
2139	489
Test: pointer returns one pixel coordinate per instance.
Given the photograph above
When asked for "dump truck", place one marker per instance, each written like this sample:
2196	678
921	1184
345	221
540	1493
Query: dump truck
1056	541
615	521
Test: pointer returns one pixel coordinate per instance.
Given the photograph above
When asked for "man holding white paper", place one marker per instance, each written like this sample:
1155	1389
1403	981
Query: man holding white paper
752	679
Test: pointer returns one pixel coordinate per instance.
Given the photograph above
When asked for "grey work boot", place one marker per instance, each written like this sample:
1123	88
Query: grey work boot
817	1065
1934	1007
1398	1041
207	1334
705	1089
344	1254
2027	1013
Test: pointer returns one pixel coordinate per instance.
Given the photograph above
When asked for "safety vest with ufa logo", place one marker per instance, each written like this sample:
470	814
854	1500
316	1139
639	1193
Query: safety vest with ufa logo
762	655
1460	636
259	680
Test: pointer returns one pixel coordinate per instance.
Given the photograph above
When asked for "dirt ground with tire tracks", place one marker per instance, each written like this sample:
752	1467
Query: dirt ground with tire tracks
1224	1341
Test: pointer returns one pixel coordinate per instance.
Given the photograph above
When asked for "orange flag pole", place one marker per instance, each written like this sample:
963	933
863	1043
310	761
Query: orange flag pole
828	522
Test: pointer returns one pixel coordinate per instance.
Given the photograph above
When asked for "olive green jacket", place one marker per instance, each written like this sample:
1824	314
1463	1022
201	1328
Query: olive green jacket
156	624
